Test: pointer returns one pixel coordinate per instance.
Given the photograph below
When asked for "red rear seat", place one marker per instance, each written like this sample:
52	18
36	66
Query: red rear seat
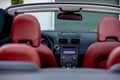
97	53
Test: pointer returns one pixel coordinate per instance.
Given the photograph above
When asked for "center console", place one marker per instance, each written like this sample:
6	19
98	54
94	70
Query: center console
68	49
69	56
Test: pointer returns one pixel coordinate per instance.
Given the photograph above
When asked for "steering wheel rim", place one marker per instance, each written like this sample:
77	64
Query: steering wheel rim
50	43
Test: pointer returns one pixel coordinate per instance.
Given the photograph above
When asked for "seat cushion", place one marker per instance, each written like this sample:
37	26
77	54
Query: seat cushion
19	52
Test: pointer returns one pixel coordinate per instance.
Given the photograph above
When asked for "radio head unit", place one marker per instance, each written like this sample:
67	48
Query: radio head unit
69	52
69	55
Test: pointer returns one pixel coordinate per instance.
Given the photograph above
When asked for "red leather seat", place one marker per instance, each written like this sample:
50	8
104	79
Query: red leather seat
114	57
26	29
97	53
19	52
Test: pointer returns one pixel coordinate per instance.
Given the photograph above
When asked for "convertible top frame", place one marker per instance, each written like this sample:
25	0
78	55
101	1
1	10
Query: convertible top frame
71	7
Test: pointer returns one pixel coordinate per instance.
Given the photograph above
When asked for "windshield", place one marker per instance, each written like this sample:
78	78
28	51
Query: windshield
90	21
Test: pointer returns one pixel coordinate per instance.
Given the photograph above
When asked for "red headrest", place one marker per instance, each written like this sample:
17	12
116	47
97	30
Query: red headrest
109	28
19	52
114	57
26	28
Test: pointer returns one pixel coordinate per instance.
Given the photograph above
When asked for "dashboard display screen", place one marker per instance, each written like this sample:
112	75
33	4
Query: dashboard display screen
68	52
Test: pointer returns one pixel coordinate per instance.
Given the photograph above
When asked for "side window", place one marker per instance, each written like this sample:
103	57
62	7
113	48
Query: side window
2	19
5	24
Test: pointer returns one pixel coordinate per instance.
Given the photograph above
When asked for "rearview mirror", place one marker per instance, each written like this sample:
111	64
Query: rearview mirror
69	16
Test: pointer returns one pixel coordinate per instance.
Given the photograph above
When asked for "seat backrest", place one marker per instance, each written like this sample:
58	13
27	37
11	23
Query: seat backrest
19	52
97	53
26	29
114	57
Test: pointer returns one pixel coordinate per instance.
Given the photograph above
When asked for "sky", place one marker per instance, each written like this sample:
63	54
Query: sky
5	3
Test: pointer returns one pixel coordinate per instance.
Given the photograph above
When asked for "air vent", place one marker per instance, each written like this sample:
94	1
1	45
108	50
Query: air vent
75	41
63	41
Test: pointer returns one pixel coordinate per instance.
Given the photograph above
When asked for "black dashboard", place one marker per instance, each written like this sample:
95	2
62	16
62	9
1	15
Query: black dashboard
69	47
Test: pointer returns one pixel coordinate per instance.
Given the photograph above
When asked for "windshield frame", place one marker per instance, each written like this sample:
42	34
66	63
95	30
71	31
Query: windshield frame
92	7
63	7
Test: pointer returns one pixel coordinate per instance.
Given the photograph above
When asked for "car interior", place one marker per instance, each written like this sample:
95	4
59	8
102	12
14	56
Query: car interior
27	52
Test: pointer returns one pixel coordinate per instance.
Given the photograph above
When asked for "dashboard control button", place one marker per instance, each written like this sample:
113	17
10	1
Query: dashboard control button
63	57
74	58
56	47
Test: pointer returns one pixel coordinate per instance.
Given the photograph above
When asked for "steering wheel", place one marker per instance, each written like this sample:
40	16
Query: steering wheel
45	40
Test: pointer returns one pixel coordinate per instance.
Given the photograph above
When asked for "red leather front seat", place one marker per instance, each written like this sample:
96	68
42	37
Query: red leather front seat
26	29
98	52
19	52
114	57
